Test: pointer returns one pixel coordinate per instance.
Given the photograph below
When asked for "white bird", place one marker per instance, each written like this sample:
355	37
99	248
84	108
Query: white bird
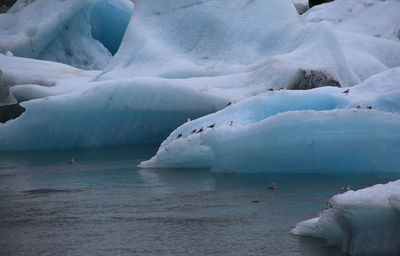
72	161
271	186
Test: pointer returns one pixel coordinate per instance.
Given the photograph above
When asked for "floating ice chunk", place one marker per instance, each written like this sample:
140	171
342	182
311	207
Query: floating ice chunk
319	130
363	222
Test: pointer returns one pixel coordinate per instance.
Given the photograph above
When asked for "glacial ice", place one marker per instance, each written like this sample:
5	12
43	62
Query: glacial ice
83	34
319	130
178	59
375	18
362	222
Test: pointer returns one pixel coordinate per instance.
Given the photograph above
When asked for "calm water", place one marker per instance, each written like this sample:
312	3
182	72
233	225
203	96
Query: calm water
104	205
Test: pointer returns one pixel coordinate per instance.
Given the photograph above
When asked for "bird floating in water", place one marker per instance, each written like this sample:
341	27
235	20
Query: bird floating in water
231	123
211	126
201	130
72	161
370	107
347	91
346	188
229	103
179	135
271	186
195	130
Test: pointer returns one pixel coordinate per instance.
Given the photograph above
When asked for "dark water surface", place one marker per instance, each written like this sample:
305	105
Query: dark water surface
104	205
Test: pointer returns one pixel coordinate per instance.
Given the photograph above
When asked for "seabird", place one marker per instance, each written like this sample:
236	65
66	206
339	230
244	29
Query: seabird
271	89
255	201
72	161
370	107
179	135
211	126
347	91
229	103
359	106
346	188
188	120
166	148
201	130
271	186
231	123
195	130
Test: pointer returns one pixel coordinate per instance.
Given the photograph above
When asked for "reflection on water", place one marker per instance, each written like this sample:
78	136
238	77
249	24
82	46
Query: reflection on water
104	205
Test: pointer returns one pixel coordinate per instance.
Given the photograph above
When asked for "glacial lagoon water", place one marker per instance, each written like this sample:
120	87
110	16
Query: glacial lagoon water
105	205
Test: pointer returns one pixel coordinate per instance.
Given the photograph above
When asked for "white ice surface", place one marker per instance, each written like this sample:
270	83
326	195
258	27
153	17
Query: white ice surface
375	18
362	222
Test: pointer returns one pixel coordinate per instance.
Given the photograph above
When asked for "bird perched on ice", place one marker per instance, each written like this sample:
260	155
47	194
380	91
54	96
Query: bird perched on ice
346	91
201	130
194	131
346	188
72	161
179	135
359	106
370	107
231	123
229	103
188	120
211	126
270	89
271	186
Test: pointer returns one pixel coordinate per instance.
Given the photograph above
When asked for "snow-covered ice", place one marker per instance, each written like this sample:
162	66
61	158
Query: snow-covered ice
362	222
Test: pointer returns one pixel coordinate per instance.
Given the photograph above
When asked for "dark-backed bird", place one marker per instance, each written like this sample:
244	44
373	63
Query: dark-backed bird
72	161
229	103
231	123
211	126
195	130
359	106
370	107
346	188
201	130
179	135
347	91
271	89
271	186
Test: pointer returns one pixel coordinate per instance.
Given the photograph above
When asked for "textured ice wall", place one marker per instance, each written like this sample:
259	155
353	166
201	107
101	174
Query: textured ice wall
83	34
362	222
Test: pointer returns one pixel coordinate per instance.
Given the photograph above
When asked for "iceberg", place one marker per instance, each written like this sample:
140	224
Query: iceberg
326	129
362	222
178	59
81	33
